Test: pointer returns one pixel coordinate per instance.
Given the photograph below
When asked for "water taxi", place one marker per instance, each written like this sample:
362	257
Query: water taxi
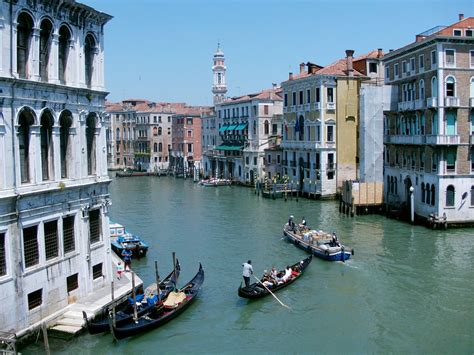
121	240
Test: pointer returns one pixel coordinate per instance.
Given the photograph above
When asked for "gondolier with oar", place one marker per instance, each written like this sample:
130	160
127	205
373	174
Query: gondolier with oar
247	271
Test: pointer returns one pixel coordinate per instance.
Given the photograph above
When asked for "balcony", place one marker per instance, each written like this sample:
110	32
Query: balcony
307	107
451	101
471	102
432	102
443	139
293	108
300	108
402	139
406	106
316	166
331	106
303	145
317	106
420	104
285	109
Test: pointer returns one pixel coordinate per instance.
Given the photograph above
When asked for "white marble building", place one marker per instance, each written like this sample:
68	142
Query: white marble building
54	245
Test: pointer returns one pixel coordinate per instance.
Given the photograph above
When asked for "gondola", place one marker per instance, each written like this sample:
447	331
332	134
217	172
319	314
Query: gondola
124	311
258	290
174	305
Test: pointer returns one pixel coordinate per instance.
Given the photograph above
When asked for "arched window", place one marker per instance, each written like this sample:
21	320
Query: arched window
423	192
90	140
159	131
434	87
25	121
421	90
432	195
155	131
428	194
89	54
117	134
63	52
450	196
46	30
46	145
266	129
434	123
155	147
65	122
450	88
23	43
160	147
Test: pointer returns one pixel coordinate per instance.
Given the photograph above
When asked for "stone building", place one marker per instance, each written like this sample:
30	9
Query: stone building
429	134
54	237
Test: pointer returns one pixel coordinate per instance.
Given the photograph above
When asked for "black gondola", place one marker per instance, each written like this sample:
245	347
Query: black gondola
258	290
124	311
163	312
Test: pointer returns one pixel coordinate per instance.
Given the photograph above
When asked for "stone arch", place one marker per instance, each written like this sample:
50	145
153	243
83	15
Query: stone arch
91	125
90	51
46	143
65	122
46	34
25	25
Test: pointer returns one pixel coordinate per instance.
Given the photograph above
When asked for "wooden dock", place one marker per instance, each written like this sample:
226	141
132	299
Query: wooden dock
360	197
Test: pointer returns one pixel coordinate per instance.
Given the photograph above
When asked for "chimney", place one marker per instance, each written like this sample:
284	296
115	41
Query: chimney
419	38
379	53
290	76
349	57
461	17
302	68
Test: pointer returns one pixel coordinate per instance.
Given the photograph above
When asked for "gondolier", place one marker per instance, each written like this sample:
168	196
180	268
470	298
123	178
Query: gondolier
247	271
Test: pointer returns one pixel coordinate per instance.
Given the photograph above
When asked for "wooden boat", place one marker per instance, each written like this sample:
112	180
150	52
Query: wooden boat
173	306
258	290
323	245
124	311
121	240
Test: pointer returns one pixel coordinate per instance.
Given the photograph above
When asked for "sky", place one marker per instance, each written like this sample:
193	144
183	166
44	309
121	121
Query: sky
161	50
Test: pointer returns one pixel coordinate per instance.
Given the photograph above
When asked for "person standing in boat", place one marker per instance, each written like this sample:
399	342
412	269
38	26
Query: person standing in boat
291	223
127	258
247	271
303	223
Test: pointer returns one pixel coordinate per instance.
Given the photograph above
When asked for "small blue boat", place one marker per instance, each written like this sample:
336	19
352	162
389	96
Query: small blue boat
121	240
323	245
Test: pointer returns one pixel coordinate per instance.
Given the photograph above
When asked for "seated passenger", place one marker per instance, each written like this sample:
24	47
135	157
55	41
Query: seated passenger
287	275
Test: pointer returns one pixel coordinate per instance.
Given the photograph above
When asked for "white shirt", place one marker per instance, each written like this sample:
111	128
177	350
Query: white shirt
248	270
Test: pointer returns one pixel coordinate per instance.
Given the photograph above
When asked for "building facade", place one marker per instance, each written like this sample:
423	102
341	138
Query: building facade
54	244
429	135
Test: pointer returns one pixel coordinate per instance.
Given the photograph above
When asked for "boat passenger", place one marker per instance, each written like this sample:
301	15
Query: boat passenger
273	273
287	275
335	242
302	224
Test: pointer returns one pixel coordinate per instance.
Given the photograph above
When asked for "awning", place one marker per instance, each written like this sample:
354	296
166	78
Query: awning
232	127
229	147
223	129
241	127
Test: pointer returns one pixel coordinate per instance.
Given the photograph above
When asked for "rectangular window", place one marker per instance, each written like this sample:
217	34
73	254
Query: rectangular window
471	61
301	97
387	73
469	33
433	59
421	62
265	109
318	95
68	234
30	246
278	159
94	226
318	133
412	65
373	68
330	133
449	57
72	283
293	102
457	33
190	147
286	100
190	134
451	161
35	299
97	271
51	239
247	160
269	159
318	162
308	96
395	70
330	93
274	128
3	255
404	67
254	160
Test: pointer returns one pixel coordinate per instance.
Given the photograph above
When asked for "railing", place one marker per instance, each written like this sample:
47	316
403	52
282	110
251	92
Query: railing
307	107
317	106
300	108
432	102
451	101
301	144
331	106
400	139
285	109
293	108
406	105
420	104
443	139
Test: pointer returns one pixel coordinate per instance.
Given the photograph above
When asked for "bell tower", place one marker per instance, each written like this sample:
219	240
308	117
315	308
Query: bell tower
219	86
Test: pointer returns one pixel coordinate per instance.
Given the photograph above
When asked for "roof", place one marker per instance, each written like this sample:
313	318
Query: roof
268	94
145	106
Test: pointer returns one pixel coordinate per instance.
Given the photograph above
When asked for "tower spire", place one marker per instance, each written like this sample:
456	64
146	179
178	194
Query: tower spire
219	85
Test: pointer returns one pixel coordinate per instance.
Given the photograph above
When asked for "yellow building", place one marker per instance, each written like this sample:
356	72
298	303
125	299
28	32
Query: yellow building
321	129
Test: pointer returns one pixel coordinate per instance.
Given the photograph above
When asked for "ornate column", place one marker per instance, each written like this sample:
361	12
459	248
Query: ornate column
56	153
53	64
33	56
35	154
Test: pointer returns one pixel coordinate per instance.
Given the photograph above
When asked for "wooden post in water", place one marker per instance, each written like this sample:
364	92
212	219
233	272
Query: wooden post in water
157	281
113	303
45	338
135	316
174	269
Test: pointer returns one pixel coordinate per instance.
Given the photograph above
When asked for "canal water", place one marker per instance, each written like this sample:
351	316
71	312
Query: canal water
407	289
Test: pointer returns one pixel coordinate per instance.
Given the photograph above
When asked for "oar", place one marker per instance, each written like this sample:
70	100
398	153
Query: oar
157	281
261	283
